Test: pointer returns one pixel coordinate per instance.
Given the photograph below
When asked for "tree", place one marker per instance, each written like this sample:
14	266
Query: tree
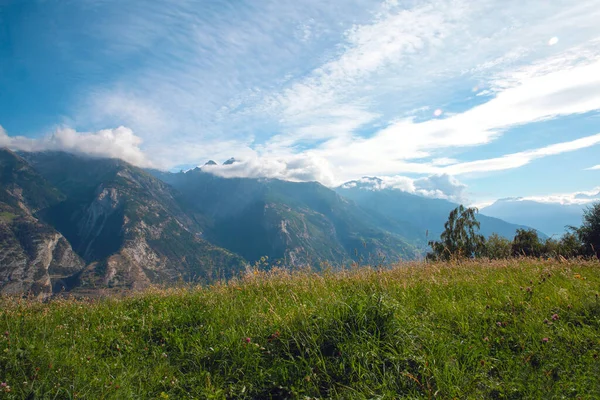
460	238
589	233
498	247
570	245
526	243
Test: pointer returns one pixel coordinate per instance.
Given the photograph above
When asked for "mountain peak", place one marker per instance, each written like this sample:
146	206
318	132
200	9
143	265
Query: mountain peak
230	161
210	162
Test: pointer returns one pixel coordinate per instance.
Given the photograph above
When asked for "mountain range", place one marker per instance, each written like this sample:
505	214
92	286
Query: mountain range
550	218
79	224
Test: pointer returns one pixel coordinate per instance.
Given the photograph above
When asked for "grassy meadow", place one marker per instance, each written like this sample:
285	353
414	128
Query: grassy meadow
501	330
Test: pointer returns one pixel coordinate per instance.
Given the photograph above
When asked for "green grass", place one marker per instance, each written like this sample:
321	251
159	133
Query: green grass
511	329
7	217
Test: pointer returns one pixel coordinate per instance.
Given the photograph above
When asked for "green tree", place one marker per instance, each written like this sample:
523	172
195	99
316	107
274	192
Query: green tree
526	243
498	247
460	238
589	232
569	245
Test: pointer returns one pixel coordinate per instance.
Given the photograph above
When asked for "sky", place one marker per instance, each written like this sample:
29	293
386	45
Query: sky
464	100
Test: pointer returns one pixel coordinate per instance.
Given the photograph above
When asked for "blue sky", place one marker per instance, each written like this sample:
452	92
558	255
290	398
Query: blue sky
471	101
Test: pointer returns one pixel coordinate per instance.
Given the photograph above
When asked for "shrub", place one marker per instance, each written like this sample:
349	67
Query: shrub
498	247
526	243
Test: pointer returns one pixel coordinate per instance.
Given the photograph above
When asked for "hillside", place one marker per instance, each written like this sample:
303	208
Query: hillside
34	257
297	223
524	329
127	225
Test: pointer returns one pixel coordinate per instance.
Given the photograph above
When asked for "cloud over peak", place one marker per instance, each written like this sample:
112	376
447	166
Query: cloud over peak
120	143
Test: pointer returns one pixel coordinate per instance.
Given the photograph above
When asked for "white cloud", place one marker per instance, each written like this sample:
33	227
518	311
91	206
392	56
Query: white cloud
534	98
522	158
594	167
294	87
435	186
581	197
301	168
441	186
114	143
245	84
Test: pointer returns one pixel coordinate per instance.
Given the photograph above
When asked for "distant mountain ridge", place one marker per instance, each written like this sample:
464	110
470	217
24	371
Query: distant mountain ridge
423	216
550	218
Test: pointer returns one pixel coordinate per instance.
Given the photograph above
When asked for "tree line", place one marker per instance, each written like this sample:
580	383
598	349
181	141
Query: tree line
461	239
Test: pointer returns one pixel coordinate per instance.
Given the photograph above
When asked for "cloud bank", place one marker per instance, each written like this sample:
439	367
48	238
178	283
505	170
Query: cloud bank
112	143
435	186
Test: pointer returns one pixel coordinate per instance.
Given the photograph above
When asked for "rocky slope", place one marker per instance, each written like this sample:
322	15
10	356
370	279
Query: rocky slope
34	257
127	225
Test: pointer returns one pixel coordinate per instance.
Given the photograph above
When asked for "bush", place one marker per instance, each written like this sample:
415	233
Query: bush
498	247
526	243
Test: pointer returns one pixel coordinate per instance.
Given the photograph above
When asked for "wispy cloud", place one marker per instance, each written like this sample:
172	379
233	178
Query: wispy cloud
522	158
594	167
534	98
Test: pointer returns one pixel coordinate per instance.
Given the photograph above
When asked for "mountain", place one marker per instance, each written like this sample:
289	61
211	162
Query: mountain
34	257
80	224
126	225
550	218
420	218
296	223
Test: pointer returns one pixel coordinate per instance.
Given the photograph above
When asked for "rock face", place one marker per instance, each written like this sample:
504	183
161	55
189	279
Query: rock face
127	225
34	258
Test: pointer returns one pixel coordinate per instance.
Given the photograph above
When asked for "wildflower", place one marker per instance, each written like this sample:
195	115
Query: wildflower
545	340
4	384
6	333
528	289
247	340
499	323
274	336
486	339
164	355
555	317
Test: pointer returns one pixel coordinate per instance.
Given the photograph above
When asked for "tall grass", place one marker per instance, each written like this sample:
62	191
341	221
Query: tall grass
511	329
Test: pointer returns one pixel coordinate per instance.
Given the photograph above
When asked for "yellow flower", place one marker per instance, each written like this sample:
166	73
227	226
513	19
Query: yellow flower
163	395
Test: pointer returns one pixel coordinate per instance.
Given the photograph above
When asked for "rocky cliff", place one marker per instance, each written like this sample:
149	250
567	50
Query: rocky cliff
34	258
